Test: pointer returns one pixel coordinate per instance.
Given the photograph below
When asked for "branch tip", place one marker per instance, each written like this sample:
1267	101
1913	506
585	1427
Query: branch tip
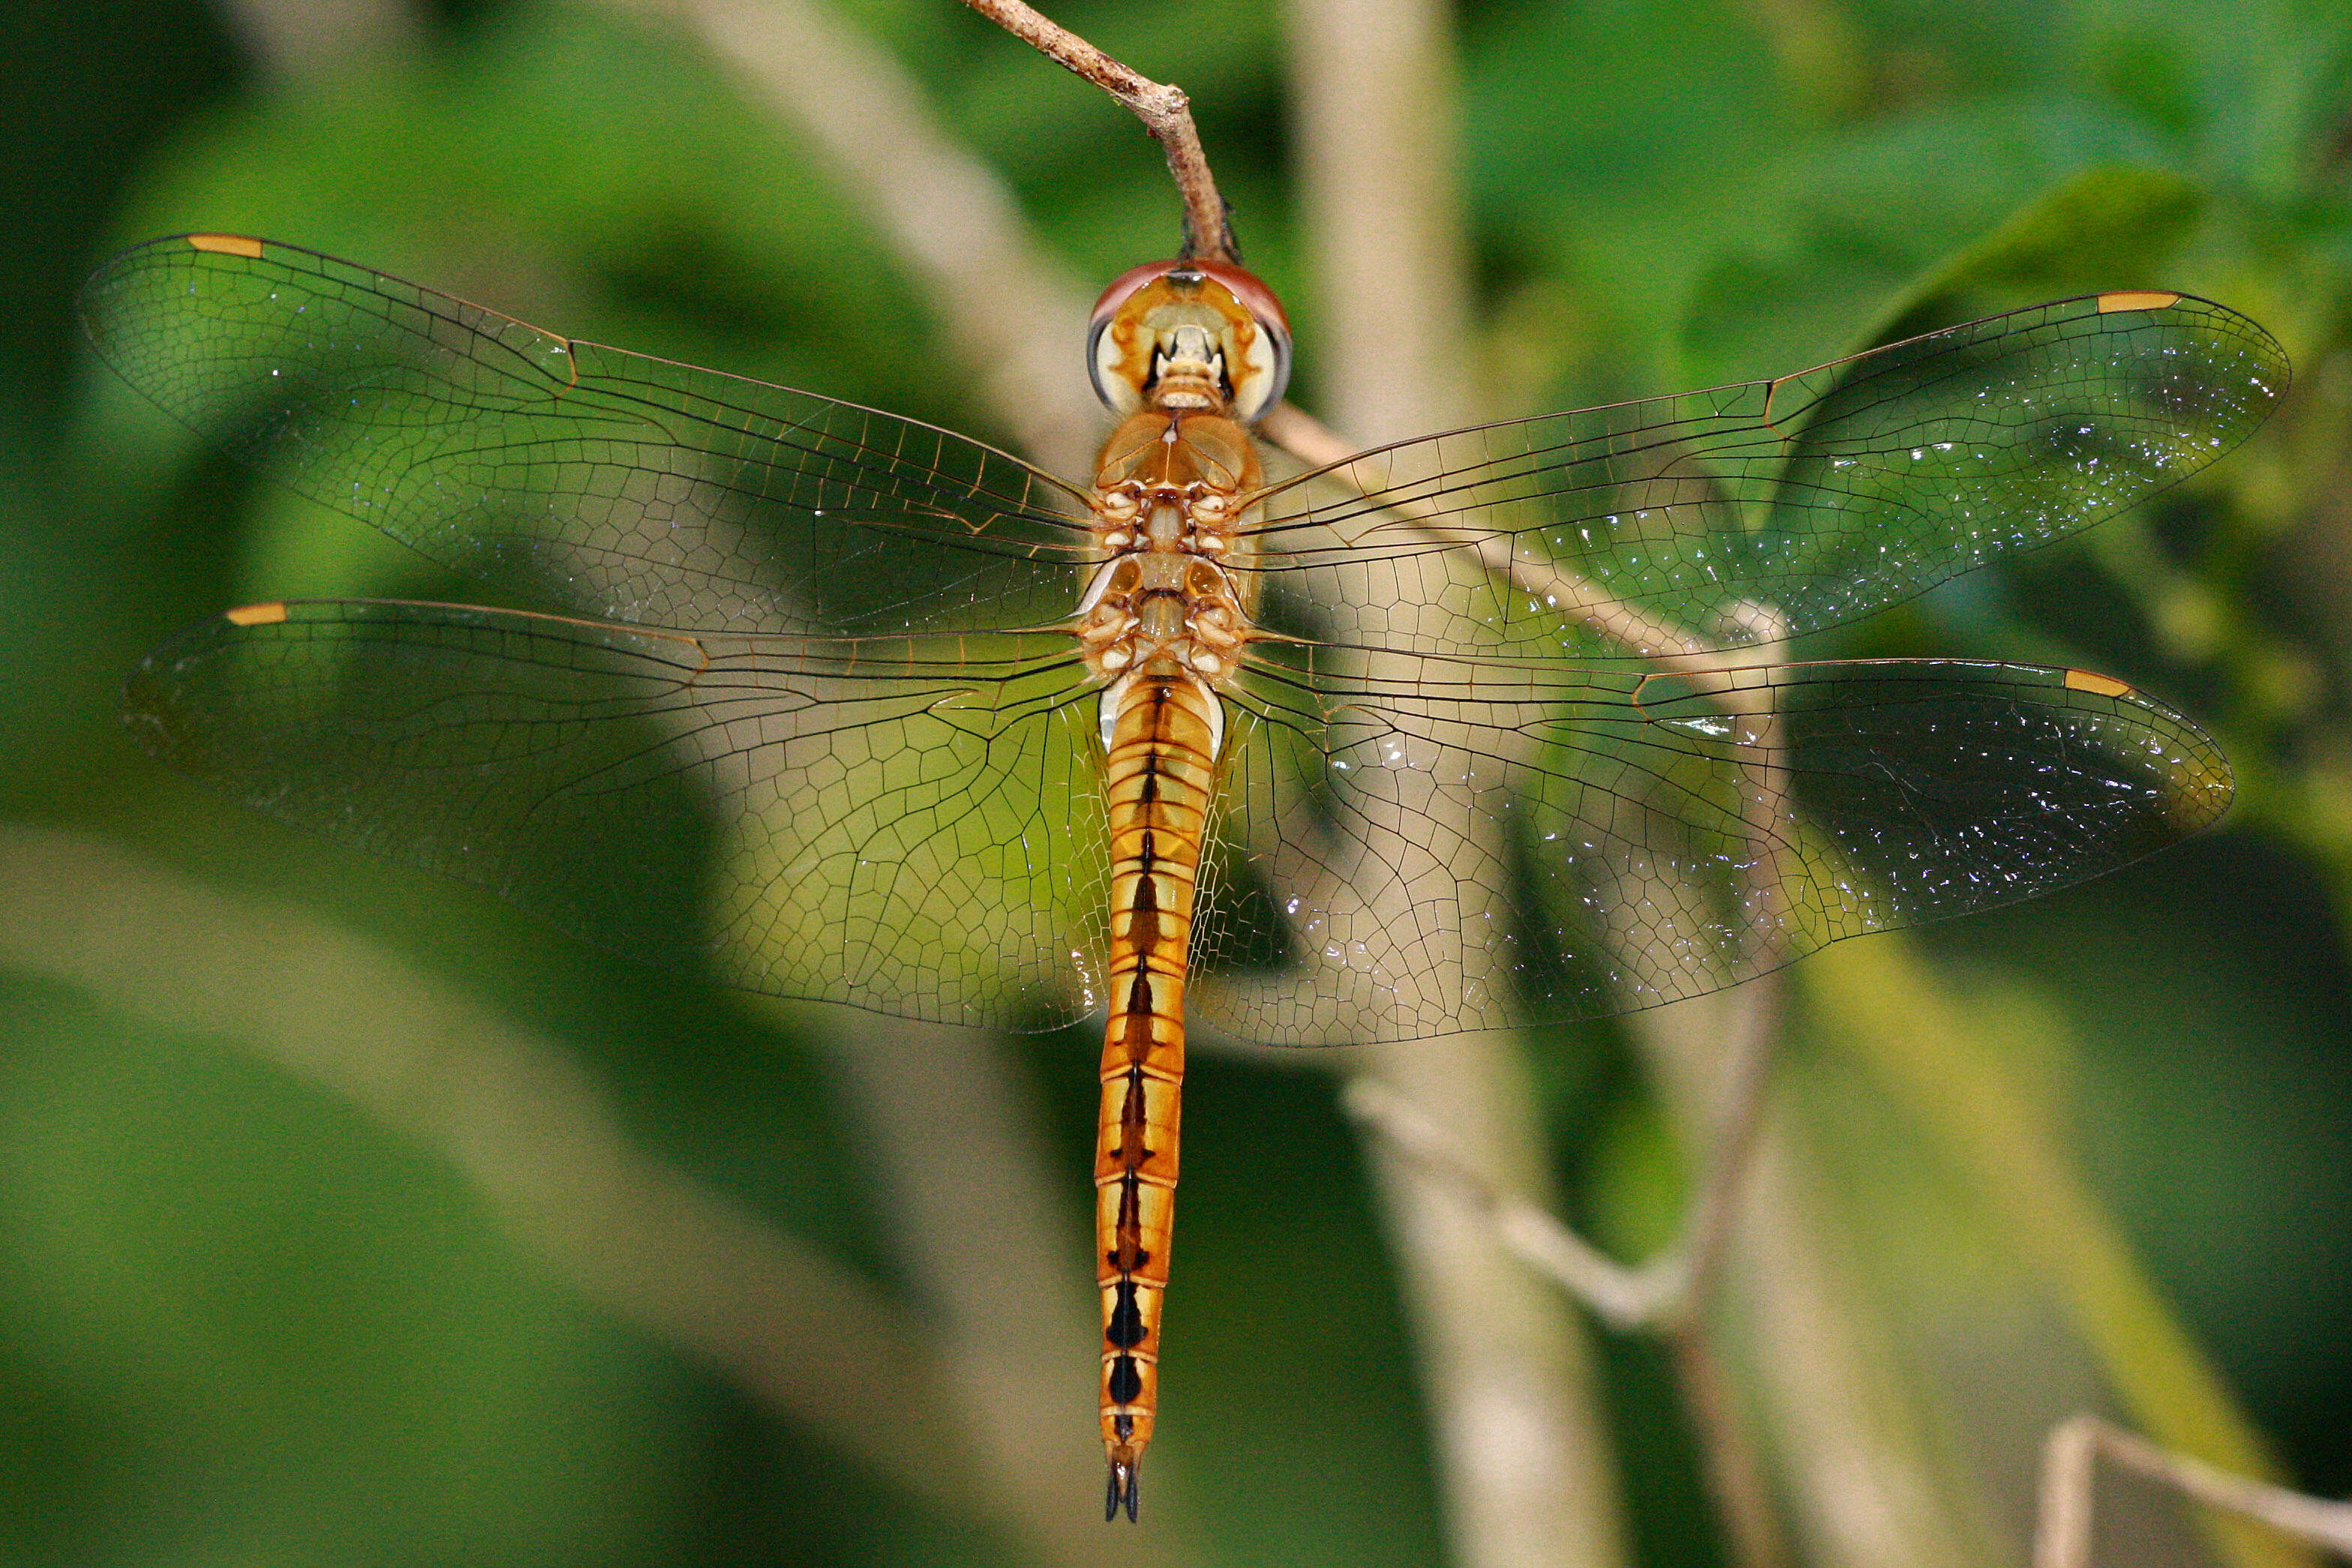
1165	110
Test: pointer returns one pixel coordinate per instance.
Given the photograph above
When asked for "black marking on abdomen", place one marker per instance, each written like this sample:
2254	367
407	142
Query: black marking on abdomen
1126	1330
1150	790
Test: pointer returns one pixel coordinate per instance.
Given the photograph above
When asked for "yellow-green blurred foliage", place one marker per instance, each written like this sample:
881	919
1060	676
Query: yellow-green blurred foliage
2095	1152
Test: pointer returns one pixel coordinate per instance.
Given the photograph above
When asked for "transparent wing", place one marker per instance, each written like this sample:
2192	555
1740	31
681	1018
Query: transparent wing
856	776
1817	498
633	489
1410	848
910	825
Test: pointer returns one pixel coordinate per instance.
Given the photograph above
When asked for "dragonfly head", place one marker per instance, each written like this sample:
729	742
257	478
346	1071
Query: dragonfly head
1189	334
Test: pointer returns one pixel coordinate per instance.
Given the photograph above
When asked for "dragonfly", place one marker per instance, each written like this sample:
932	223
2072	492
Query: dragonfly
1495	726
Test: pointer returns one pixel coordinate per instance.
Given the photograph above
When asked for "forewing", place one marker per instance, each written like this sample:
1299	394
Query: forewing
1418	848
630	487
907	824
1777	507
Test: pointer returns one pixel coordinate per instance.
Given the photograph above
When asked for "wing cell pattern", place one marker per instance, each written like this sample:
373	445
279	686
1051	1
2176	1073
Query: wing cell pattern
627	487
808	718
1464	853
910	825
1820	497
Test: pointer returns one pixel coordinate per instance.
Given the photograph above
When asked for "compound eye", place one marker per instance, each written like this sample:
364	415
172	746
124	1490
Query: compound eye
1125	285
1259	361
1142	302
1119	357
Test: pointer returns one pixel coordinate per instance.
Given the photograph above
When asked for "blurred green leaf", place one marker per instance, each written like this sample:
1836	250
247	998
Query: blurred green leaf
303	1341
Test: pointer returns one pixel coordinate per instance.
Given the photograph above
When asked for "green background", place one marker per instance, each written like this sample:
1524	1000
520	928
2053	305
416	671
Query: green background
242	1321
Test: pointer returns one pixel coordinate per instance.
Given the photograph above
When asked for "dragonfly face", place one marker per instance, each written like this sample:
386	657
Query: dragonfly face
1220	330
1458	733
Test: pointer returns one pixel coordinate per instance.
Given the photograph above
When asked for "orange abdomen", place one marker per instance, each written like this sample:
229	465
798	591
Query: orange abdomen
1159	774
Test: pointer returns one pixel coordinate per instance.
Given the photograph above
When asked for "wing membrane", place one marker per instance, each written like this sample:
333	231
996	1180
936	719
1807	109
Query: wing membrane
853	774
908	825
635	488
1452	845
1816	499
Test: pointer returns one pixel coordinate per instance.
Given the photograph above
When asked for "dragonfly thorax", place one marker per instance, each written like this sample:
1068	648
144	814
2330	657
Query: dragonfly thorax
1159	604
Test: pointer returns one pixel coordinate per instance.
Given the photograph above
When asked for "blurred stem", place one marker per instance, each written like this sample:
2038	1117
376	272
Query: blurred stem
515	1115
298	41
1523	1447
2063	1539
1526	1466
1010	310
1875	996
1665	1293
974	1204
1662	1292
1852	1458
1735	1468
1375	83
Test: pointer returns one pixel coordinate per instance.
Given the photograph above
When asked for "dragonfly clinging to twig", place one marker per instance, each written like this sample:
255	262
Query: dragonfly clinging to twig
1477	729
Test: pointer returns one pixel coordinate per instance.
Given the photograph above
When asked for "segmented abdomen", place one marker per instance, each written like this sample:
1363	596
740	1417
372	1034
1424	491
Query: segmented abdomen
1159	774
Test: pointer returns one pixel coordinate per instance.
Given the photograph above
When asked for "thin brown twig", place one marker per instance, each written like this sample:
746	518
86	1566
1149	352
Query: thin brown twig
1164	109
2062	1533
